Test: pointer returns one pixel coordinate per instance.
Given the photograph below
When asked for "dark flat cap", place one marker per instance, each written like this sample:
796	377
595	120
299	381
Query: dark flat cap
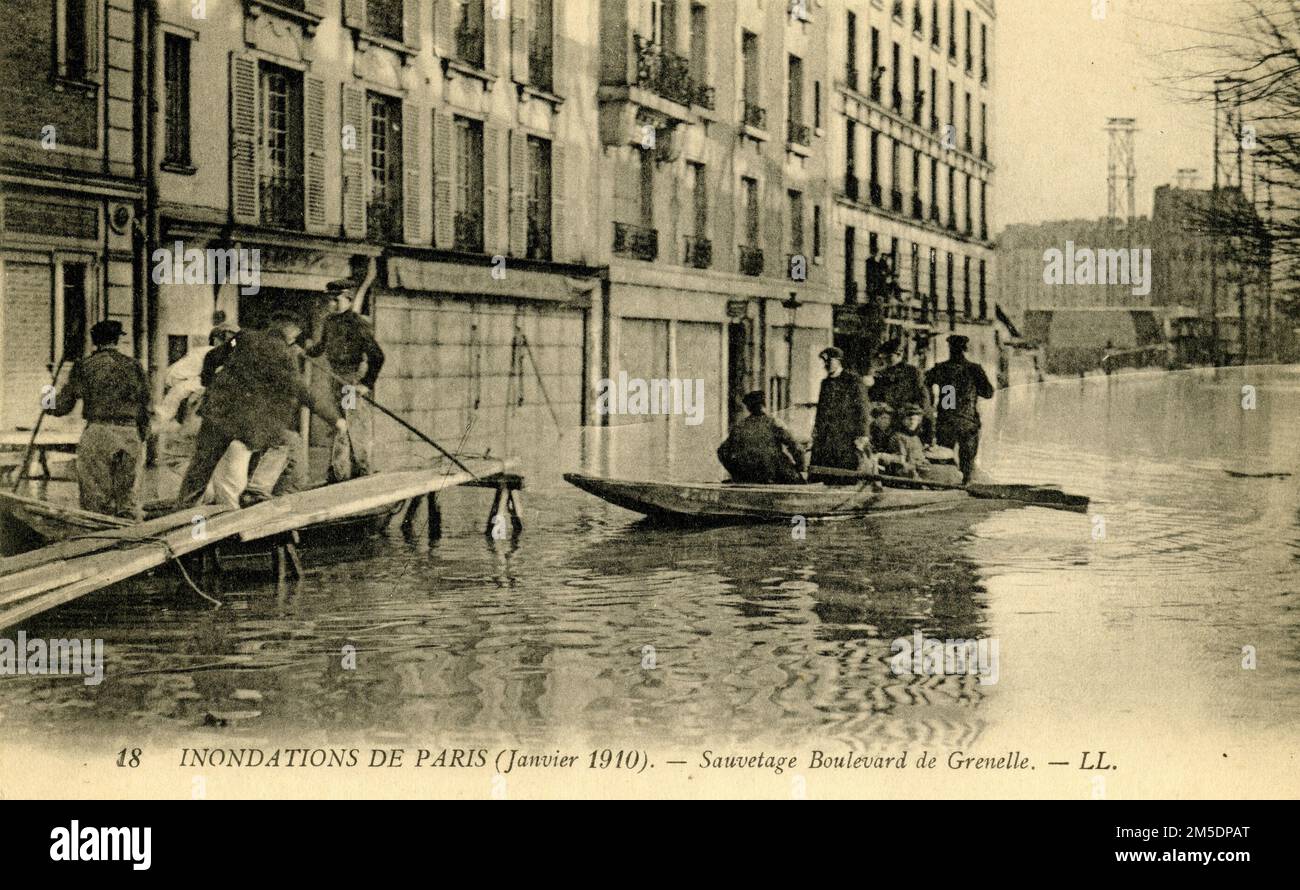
339	285
831	352
889	347
754	399
107	331
960	341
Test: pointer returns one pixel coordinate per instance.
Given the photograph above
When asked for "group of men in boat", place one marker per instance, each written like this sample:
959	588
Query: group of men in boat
871	427
245	403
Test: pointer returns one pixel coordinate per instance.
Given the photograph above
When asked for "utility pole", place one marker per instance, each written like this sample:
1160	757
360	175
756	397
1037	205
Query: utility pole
1216	346
1121	175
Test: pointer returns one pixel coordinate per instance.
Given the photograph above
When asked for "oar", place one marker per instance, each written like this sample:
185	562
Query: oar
36	430
1242	475
1037	495
443	451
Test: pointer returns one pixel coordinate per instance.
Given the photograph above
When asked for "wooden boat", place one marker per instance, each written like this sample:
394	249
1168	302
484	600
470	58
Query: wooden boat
715	502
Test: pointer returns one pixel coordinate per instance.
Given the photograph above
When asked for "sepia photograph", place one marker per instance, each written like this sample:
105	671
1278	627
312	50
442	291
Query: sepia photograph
708	399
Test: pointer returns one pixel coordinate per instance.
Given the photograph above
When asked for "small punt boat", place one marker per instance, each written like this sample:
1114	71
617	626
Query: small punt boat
720	503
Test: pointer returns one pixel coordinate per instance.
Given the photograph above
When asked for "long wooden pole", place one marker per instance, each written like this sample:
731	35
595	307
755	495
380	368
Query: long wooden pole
36	430
443	451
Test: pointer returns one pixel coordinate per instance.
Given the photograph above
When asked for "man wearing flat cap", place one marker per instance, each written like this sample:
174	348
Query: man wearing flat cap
760	451
348	344
114	400
961	384
898	384
842	425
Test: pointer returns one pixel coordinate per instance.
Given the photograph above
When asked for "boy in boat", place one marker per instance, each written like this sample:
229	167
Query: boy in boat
348	344
840	430
252	401
883	443
962	383
115	405
907	446
760	450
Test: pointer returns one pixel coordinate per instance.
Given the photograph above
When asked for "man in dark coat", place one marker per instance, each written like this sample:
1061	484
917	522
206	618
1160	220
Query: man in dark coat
898	384
760	450
962	383
115	405
252	401
840	429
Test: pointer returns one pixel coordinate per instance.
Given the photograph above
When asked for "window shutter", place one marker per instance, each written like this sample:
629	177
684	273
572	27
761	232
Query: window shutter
442	27
354	13
444	223
412	164
518	193
411	22
355	154
557	47
519	45
491	41
314	148
495	223
243	140
559	180
316	7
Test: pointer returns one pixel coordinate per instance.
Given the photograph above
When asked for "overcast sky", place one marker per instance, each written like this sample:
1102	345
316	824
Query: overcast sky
1060	73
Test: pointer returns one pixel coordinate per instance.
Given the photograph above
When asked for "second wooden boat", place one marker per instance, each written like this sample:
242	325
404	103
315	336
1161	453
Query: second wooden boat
716	502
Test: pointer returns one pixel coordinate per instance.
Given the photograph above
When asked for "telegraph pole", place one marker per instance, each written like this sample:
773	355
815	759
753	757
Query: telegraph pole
1121	176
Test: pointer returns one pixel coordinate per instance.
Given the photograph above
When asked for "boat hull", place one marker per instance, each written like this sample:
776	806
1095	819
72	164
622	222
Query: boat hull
706	502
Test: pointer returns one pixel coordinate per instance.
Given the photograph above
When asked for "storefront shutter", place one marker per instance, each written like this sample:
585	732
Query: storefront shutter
314	151
444	224
494	218
412	181
518	193
243	140
356	140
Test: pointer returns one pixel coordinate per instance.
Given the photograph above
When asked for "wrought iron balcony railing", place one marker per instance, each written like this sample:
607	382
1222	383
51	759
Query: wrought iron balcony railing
636	242
751	260
755	116
384	219
662	72
800	134
469	231
282	201
704	96
698	253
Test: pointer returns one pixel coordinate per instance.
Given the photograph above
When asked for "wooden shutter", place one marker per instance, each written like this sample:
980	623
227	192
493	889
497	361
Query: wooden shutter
412	165
495	220
354	13
313	114
443	29
243	140
444	222
559	180
557	47
355	161
518	193
519	43
411	23
316	7
492	31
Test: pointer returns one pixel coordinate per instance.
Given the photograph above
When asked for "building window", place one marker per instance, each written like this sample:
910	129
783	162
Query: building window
934	24
918	92
280	145
699	44
817	105
749	191
384	18
934	189
970	46
468	206
72	312
850	250
817	232
965	300
876	68
176	96
984	300
796	222
952	30
539	198
984	54
896	88
384	206
699	250
952	296
647	192
75	39
754	115
851	51
541	41
469	31
851	159
794	103
933	290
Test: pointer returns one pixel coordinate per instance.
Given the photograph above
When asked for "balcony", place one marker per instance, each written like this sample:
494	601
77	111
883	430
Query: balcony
469	231
799	134
698	253
896	200
539	238
754	116
850	186
918	208
282	201
704	96
469	43
896	101
663	73
751	260
876	194
636	242
384	219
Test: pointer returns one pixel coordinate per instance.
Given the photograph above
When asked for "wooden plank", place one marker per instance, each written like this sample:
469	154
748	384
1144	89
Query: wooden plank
38	580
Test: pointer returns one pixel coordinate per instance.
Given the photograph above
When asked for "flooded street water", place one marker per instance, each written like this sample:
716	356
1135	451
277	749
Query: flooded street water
1138	611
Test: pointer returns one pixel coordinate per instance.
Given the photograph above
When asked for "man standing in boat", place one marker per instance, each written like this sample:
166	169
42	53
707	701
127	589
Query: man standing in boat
250	404
841	428
898	384
760	450
962	383
348	343
115	405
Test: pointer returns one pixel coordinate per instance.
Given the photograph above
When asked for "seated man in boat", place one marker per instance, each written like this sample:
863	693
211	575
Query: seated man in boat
884	445
840	431
760	450
115	405
355	358
898	383
249	406
907	446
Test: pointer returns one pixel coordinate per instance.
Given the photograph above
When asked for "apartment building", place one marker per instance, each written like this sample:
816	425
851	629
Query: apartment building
911	107
71	195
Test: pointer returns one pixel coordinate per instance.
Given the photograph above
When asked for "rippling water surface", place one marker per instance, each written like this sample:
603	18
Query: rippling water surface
1140	609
